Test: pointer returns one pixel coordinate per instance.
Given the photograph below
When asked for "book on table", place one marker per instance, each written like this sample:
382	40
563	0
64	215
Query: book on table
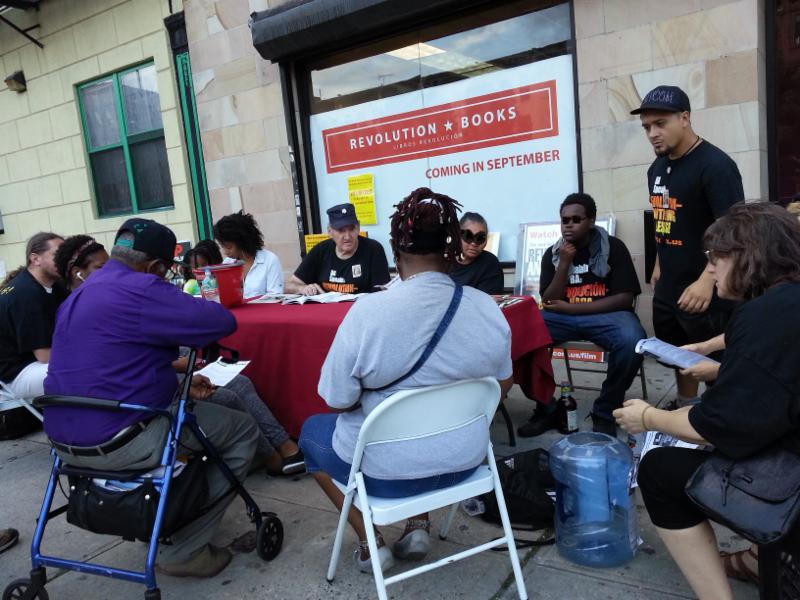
669	354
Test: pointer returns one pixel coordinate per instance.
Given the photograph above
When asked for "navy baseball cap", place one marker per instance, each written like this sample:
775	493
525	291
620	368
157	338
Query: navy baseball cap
668	98
342	215
150	237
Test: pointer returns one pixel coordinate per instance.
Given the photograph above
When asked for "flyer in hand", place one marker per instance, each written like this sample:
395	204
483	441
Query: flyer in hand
669	354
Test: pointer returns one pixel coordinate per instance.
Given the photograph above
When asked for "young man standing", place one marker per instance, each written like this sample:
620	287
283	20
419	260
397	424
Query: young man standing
691	183
588	285
28	301
345	263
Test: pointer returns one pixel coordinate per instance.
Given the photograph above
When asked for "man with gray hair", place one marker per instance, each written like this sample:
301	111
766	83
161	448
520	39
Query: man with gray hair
116	337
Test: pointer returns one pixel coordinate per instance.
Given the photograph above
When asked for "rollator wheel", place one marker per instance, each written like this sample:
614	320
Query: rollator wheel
269	537
17	589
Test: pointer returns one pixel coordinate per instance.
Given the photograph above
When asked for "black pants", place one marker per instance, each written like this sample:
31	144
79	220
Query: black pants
663	474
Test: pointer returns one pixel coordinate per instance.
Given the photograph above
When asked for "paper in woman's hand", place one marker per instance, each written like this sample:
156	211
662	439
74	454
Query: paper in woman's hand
669	354
221	373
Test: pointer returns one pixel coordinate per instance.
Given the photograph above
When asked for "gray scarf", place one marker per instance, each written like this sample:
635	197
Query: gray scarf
598	251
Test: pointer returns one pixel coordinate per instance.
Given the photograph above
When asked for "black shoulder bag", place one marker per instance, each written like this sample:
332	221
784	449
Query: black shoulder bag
437	335
758	497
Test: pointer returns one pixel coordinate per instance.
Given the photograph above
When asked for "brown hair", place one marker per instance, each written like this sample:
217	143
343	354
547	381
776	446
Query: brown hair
38	244
427	223
763	242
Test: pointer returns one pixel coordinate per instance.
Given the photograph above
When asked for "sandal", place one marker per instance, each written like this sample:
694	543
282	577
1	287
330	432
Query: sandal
737	568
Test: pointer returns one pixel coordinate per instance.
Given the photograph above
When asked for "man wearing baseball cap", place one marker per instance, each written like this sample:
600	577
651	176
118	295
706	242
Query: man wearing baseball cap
115	339
344	263
691	184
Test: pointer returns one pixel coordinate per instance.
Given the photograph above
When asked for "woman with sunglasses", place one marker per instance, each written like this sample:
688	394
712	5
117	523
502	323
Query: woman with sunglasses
754	258
475	267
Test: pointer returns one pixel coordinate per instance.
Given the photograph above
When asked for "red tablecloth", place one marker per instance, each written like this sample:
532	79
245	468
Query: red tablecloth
288	344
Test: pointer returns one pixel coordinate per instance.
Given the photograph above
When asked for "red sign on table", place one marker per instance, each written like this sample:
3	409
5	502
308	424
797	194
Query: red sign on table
515	115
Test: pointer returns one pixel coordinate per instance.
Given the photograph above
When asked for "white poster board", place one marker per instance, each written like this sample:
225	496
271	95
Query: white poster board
503	144
534	240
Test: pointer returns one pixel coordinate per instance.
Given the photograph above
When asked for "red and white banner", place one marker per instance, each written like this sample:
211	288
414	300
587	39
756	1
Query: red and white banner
515	115
502	143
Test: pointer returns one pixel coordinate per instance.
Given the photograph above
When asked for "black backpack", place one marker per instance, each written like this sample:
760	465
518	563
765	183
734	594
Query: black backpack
525	478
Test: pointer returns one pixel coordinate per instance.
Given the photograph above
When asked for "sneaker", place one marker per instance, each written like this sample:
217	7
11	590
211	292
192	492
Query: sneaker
8	537
210	561
296	463
414	545
384	556
539	422
603	425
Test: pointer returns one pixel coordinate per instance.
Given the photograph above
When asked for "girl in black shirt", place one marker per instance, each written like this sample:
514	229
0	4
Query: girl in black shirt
477	268
754	257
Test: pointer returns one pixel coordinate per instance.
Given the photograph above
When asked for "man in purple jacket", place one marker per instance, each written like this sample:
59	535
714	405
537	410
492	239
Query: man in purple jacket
115	338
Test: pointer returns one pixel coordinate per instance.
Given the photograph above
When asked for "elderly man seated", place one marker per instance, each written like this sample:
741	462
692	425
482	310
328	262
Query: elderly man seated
376	346
345	263
115	338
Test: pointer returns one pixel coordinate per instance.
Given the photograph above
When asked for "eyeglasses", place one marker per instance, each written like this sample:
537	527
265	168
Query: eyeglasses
575	220
473	238
162	268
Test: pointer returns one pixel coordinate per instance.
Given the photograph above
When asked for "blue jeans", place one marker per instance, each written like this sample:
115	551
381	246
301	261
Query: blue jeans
617	332
316	442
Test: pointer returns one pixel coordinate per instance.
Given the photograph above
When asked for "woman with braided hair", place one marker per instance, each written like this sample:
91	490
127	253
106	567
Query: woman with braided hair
77	258
372	356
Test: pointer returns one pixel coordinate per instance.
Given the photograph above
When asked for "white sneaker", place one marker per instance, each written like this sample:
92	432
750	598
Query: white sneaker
414	545
384	555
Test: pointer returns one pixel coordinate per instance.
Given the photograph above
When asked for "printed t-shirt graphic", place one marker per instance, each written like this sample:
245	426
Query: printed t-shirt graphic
583	285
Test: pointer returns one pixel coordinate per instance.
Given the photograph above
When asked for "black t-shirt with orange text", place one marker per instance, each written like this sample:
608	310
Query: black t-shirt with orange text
687	195
360	273
585	286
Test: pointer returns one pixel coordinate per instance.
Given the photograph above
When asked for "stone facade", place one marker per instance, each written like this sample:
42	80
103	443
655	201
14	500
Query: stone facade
713	49
44	181
242	122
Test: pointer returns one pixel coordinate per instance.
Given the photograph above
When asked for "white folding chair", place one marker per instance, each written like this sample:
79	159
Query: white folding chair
9	400
412	414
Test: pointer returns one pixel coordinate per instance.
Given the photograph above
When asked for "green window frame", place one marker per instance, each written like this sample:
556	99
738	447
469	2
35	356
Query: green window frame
127	160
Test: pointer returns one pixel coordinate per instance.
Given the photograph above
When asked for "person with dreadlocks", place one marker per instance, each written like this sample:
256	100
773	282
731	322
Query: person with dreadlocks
77	258
29	298
372	355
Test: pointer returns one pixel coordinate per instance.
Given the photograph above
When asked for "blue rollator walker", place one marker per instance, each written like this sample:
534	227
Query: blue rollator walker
151	489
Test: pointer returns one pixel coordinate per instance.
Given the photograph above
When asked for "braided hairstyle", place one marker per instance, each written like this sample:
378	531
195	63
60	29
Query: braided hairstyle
73	253
427	223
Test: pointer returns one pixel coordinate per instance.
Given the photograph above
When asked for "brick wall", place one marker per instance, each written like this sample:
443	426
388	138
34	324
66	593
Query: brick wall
712	49
44	182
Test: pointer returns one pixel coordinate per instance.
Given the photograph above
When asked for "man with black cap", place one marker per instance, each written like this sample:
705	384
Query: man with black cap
115	338
345	263
691	184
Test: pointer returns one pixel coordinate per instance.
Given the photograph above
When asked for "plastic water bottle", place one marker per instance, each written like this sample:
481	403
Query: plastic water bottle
210	289
595	519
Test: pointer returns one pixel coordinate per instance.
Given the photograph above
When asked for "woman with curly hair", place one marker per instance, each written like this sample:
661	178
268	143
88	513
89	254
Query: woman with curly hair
240	239
380	339
754	257
77	258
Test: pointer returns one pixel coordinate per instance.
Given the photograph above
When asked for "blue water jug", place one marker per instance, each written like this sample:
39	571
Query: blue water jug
595	518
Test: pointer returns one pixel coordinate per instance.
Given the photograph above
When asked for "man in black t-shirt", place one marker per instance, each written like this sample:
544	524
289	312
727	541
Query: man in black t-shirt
588	286
345	263
28	302
691	184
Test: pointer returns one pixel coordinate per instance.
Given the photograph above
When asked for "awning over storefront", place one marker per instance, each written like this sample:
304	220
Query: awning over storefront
301	27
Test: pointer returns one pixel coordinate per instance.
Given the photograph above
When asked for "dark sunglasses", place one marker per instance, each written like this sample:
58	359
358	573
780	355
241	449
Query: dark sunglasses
473	238
575	220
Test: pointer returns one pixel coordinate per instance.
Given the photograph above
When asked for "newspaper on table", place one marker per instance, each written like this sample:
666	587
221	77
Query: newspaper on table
273	298
649	440
669	354
221	372
326	298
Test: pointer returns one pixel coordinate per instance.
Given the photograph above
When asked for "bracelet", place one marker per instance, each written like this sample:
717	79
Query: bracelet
644	425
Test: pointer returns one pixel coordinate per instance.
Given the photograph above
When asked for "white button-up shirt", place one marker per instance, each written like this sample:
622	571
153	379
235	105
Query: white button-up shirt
264	277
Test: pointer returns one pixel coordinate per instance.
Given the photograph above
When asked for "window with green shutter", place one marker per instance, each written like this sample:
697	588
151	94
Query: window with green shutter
124	138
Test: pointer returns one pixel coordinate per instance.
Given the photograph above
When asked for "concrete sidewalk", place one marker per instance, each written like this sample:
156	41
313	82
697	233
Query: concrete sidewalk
310	522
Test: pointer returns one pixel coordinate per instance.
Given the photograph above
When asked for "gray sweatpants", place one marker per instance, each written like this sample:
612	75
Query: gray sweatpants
233	433
240	394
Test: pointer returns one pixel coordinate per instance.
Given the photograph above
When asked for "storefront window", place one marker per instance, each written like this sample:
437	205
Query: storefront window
481	108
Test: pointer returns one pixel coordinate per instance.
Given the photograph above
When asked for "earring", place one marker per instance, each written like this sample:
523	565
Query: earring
79	275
